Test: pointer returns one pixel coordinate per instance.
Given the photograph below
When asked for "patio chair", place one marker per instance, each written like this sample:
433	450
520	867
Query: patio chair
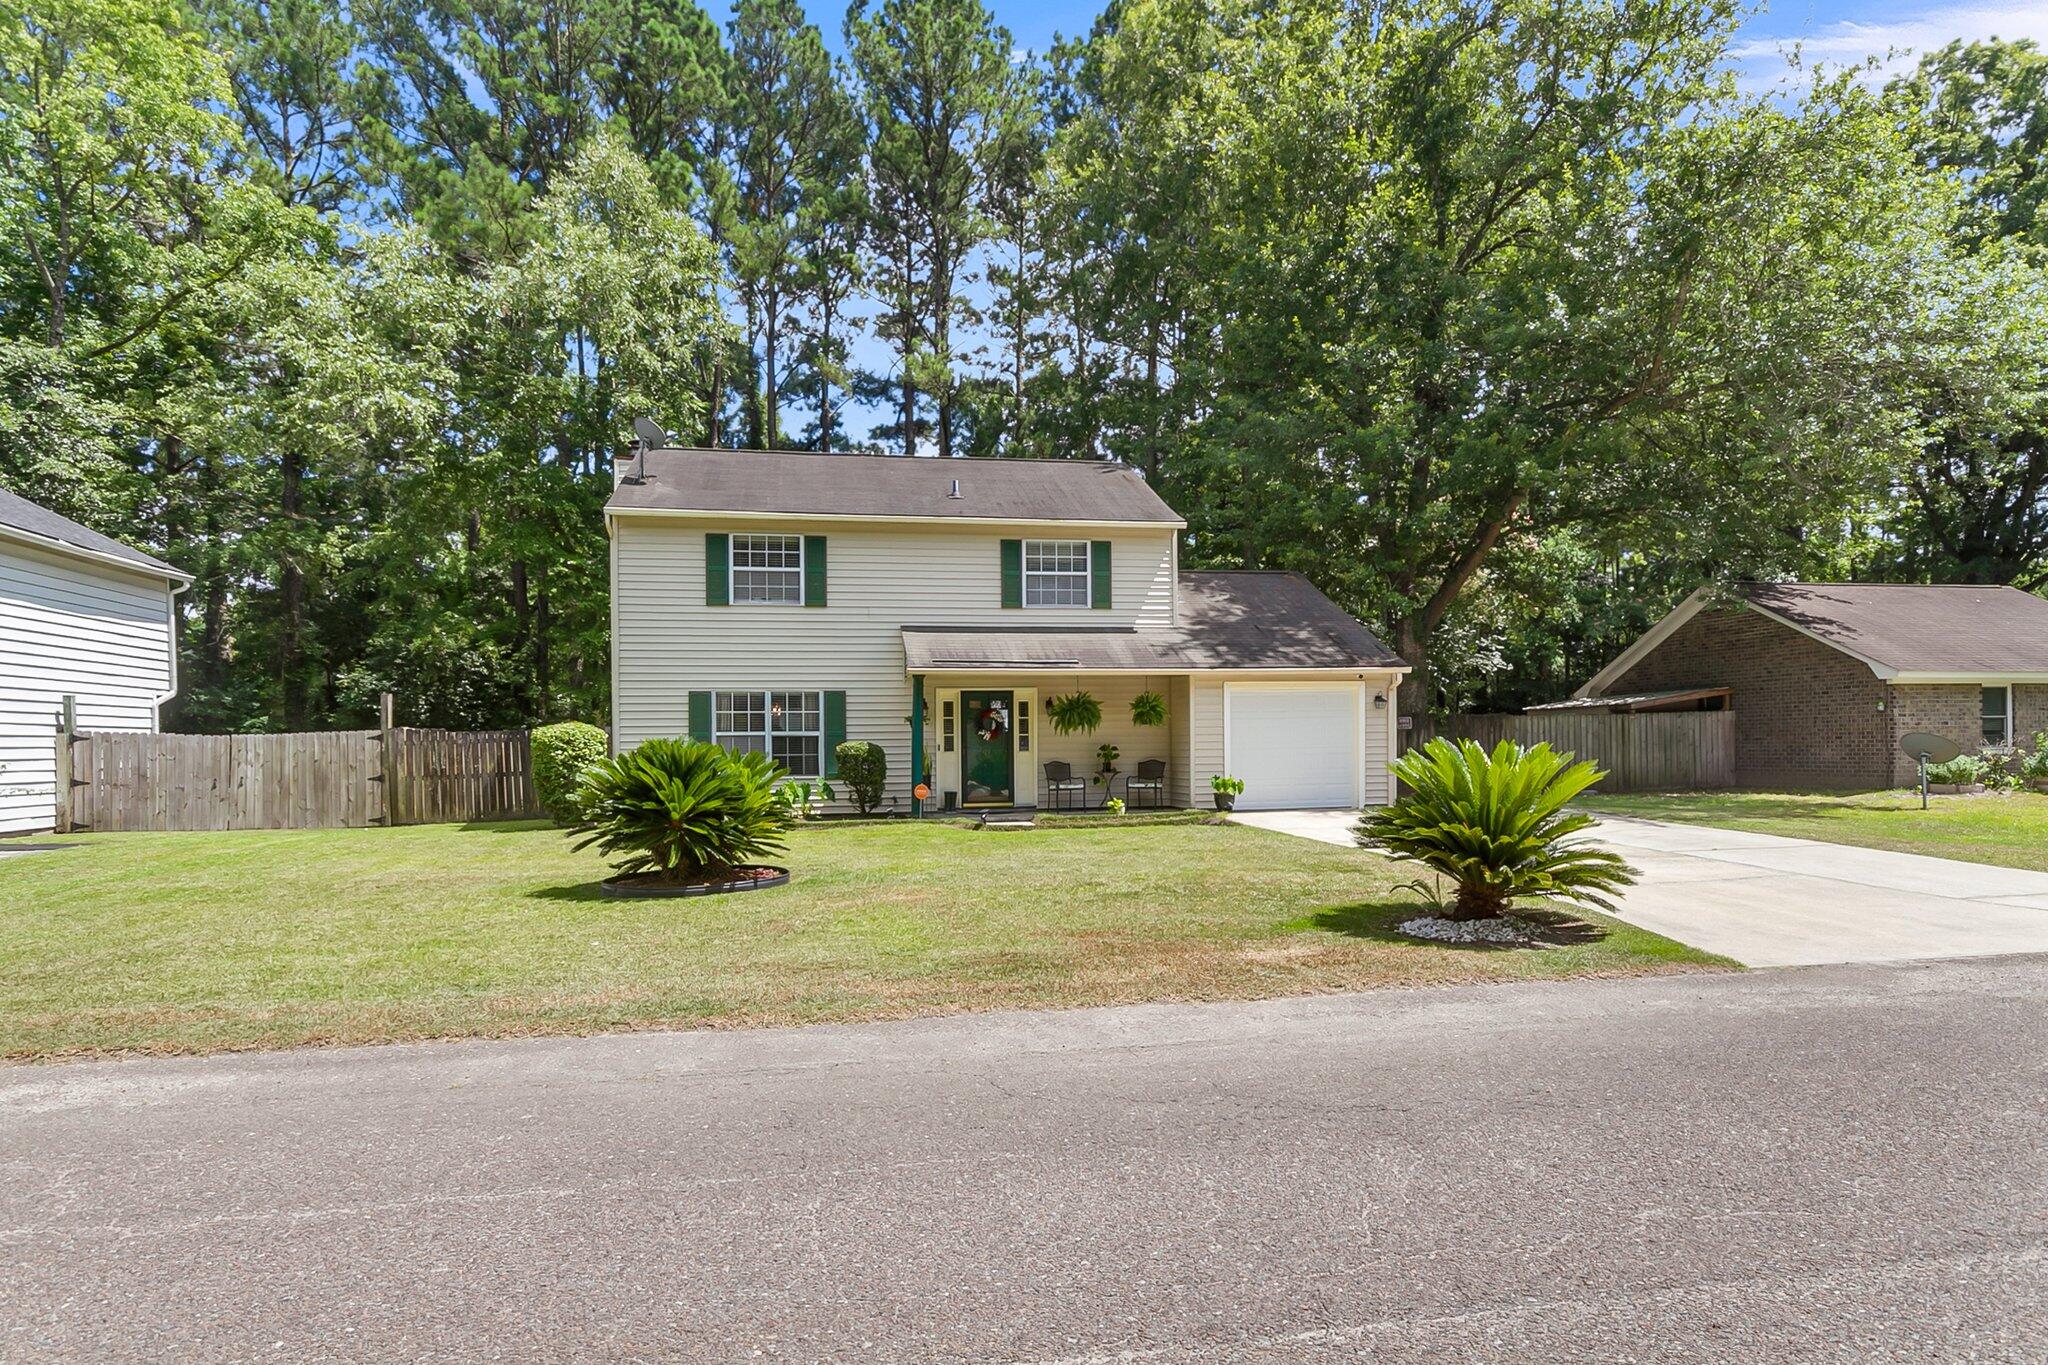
1148	782
1060	783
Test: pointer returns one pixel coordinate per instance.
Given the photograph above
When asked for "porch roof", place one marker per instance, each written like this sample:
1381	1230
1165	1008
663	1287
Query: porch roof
1228	620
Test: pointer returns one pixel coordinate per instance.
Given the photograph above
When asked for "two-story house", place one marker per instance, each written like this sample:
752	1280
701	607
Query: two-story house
784	602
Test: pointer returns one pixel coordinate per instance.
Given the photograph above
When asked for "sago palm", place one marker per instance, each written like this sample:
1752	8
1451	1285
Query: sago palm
1494	824
683	809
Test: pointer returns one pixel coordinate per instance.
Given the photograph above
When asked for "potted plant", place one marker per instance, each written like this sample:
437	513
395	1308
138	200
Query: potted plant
1113	806
1106	755
1148	708
1226	790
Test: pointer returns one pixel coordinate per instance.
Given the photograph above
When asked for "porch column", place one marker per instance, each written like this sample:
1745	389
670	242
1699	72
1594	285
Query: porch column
916	741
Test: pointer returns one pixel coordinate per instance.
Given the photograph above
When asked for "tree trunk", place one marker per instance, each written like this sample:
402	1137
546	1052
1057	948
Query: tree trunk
1476	900
291	657
771	435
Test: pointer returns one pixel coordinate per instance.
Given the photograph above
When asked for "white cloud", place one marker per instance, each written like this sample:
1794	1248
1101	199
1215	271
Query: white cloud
1897	44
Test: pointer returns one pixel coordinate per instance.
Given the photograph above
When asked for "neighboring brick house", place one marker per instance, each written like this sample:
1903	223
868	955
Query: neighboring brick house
1825	679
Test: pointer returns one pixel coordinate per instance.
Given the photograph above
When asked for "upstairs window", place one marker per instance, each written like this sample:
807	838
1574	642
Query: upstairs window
1997	708
1056	573
768	569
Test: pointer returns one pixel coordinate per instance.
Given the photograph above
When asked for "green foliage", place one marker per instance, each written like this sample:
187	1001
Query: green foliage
562	754
1224	785
864	768
2034	764
1495	825
684	809
804	798
1148	708
1963	770
1074	713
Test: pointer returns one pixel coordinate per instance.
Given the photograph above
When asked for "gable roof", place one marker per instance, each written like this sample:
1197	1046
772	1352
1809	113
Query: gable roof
38	525
1229	619
1904	632
812	484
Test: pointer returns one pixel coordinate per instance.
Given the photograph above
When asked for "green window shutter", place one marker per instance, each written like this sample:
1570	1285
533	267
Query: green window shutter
835	730
700	716
814	571
717	569
1098	573
1013	573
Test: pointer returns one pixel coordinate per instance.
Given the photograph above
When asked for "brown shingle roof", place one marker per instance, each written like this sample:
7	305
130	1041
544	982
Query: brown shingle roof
1229	619
40	523
836	485
1917	627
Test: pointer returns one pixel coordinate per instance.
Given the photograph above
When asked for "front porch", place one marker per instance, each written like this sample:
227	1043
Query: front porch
986	740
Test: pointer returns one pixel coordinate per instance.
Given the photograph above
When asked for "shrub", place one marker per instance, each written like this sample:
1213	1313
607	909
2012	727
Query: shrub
1148	708
864	768
2035	765
683	809
1494	824
1074	712
561	755
1960	771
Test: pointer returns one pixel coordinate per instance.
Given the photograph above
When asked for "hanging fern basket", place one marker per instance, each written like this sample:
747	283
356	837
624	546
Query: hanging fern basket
1148	708
1075	713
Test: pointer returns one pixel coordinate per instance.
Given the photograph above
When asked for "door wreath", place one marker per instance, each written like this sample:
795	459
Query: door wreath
990	724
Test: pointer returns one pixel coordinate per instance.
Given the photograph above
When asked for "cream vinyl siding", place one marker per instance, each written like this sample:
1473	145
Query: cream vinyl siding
879	578
71	627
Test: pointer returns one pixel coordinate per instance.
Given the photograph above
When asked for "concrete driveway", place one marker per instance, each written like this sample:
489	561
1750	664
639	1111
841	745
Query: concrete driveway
1769	901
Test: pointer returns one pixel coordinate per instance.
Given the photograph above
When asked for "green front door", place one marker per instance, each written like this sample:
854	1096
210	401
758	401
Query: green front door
987	767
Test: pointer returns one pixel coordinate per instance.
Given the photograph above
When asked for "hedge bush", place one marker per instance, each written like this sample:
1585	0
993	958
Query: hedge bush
562	754
864	768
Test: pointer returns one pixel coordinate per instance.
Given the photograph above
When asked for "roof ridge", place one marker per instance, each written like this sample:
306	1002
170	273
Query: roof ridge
885	455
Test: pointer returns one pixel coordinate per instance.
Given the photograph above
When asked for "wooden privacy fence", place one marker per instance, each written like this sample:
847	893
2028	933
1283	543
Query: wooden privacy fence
1641	751
337	779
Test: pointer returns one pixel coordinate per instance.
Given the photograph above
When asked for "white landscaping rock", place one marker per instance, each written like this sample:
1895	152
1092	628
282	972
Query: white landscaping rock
1502	929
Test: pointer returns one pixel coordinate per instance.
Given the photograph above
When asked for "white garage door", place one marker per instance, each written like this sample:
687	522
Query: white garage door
1294	746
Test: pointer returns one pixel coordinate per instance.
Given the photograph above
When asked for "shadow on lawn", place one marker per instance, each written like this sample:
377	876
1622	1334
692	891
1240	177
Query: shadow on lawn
578	891
1379	923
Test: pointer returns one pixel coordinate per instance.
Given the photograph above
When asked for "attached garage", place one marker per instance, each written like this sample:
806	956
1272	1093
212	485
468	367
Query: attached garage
1297	745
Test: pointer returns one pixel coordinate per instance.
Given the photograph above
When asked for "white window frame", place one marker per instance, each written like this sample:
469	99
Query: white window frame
1043	577
1984	715
762	702
733	569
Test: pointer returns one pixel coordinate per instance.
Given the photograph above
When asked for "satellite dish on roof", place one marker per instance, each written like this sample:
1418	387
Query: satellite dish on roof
1926	748
649	433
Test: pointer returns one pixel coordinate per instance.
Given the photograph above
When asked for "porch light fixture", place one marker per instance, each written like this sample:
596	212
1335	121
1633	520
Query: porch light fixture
1379	701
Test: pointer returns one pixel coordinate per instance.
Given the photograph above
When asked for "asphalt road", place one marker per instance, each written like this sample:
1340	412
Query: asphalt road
1842	1163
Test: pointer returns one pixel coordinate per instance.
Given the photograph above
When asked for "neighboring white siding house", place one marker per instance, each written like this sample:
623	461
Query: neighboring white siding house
81	616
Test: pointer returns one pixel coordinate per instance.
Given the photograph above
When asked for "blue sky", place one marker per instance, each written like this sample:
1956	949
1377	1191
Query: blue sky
1832	30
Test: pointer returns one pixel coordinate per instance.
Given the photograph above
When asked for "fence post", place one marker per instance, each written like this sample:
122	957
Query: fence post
387	725
62	774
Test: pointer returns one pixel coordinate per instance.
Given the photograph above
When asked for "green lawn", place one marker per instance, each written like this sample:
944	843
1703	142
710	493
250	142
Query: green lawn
2007	828
196	942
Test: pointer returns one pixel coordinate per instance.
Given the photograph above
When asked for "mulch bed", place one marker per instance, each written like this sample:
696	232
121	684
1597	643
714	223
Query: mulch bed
754	878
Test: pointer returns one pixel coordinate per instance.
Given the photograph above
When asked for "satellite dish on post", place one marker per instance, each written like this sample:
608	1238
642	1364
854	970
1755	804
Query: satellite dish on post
1924	749
649	433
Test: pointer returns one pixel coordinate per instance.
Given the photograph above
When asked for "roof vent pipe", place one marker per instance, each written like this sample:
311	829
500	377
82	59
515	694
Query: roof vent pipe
955	491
